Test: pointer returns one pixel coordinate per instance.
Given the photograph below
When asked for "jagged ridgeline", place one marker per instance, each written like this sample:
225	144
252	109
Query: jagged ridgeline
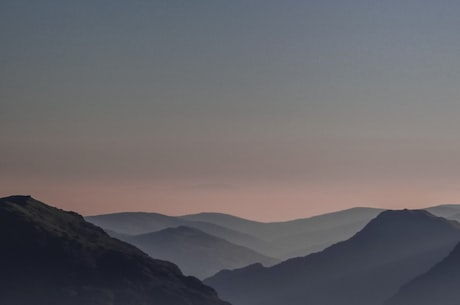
53	257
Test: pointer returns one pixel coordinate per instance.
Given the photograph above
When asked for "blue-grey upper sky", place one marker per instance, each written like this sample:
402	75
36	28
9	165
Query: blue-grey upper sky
266	109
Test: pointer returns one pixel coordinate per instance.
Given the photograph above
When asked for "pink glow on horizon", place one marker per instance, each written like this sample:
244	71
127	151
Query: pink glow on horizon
263	203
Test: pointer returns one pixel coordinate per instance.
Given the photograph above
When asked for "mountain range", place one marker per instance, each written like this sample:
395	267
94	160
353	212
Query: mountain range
136	223
367	269
403	257
52	257
281	240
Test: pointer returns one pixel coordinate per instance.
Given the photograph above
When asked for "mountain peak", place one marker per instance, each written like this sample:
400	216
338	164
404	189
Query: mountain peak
405	213
395	223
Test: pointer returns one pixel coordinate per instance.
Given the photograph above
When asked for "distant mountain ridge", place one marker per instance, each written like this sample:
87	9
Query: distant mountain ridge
195	252
135	223
52	257
366	269
449	211
281	229
280	240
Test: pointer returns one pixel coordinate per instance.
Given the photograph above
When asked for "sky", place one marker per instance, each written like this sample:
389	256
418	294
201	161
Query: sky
269	110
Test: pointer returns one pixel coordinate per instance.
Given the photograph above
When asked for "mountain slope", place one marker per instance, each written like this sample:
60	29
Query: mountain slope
440	285
52	257
363	270
195	252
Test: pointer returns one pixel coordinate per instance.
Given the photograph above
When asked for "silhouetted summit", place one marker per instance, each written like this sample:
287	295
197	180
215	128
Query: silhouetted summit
366	269
403	225
53	257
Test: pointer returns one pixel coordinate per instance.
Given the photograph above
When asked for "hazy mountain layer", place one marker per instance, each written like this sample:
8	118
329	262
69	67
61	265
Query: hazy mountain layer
135	223
449	211
278	239
195	252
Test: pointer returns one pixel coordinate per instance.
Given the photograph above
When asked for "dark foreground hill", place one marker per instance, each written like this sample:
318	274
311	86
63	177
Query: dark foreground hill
366	269
195	252
440	285
52	257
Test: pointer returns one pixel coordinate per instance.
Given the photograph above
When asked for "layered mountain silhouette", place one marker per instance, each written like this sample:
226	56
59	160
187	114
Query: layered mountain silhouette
195	252
445	210
297	237
449	211
280	240
366	269
440	285
52	257
135	223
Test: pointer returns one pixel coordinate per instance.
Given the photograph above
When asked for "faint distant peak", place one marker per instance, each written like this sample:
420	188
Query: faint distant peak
179	231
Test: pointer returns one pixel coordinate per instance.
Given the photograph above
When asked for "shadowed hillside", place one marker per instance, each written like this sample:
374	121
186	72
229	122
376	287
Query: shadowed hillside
53	257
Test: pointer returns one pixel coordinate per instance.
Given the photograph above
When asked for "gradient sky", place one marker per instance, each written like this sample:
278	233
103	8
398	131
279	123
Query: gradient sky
263	109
